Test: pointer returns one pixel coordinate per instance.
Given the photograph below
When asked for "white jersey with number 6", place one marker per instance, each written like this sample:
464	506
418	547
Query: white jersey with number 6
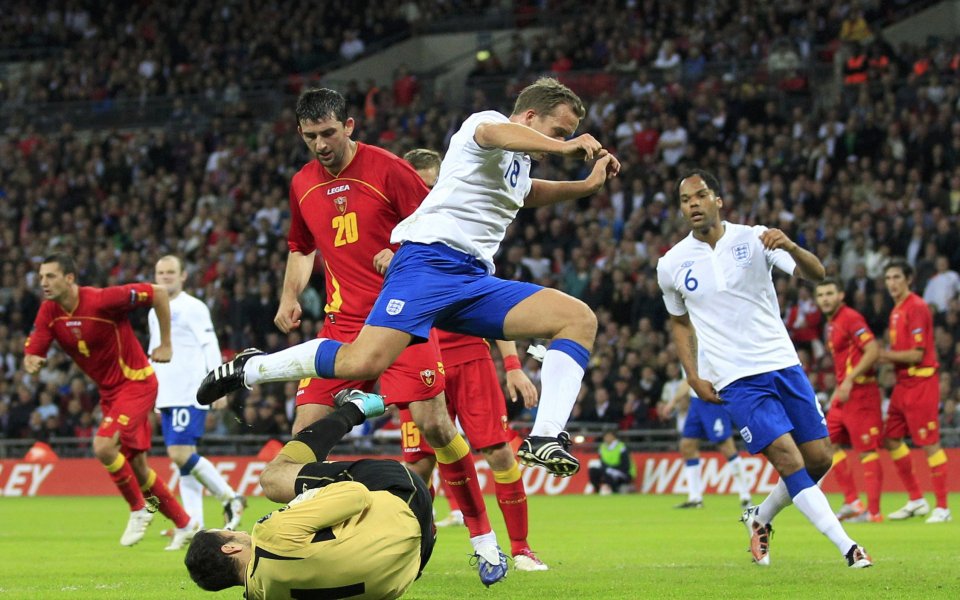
477	196
728	292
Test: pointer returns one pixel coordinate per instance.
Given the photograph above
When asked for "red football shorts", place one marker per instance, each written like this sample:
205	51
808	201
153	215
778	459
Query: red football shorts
417	374
857	422
475	398
126	410
915	410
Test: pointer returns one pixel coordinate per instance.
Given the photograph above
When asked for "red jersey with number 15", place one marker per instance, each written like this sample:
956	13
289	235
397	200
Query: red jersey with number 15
847	335
911	326
97	335
348	219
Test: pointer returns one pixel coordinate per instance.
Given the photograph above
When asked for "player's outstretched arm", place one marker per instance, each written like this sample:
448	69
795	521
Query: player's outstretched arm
809	266
161	304
295	279
545	193
516	137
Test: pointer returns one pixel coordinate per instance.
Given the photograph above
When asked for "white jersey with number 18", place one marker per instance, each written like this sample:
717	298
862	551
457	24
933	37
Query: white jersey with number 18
729	294
477	196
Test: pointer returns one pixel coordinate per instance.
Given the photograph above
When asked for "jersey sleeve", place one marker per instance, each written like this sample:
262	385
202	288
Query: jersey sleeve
474	121
778	258
40	338
404	188
859	331
319	508
918	317
299	238
201	325
672	298
125	298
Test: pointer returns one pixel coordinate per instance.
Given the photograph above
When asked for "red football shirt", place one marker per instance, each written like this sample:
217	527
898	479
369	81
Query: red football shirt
847	335
348	219
911	326
457	348
97	335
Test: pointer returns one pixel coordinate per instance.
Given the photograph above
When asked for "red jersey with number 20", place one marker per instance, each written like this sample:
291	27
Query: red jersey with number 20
847	335
97	335
348	218
911	326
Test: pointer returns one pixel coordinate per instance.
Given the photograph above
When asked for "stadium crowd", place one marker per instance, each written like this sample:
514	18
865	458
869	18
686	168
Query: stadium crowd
874	175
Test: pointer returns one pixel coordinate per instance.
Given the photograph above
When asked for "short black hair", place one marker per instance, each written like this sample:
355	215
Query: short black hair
316	104
210	568
829	281
708	178
65	261
902	264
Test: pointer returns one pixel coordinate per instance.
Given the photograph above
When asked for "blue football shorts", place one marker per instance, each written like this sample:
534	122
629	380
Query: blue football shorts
768	405
707	421
182	425
433	285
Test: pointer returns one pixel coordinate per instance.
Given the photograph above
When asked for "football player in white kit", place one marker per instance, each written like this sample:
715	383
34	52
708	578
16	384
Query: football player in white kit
182	419
441	276
718	288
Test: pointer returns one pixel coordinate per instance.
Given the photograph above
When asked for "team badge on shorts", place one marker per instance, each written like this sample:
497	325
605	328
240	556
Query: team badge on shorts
341	203
746	435
428	376
741	254
394	307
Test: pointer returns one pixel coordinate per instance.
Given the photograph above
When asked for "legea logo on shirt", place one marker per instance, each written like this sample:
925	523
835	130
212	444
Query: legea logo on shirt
338	189
394	307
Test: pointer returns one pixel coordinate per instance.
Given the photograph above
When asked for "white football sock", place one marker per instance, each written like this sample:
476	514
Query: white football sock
294	363
694	485
483	540
210	478
191	496
560	378
814	505
777	500
739	478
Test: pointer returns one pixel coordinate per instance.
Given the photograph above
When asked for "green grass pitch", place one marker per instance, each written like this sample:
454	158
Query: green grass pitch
597	547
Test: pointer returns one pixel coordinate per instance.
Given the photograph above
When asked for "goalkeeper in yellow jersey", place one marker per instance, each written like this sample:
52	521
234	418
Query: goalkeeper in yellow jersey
358	529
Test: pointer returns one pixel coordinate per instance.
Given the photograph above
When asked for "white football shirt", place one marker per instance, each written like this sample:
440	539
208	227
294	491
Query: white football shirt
476	197
196	351
728	292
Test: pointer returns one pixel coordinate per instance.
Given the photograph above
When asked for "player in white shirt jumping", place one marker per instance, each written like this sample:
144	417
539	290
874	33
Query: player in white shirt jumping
717	287
441	276
183	420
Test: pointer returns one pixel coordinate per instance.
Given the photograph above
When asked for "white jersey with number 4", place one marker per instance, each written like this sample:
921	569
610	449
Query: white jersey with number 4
728	292
477	195
196	351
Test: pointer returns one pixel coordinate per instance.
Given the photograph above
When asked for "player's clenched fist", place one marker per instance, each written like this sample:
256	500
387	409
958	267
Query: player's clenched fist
583	146
33	363
772	239
381	262
288	315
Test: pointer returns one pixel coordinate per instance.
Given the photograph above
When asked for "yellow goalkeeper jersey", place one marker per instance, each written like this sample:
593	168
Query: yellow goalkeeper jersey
339	541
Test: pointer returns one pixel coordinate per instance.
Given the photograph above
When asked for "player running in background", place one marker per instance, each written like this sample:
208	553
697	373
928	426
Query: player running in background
182	419
855	417
717	287
708	422
474	396
343	205
915	401
442	274
360	529
91	326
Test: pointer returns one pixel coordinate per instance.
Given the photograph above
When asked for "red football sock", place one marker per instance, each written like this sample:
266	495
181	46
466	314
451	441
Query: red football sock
460	474
512	498
123	477
168	505
451	500
938	477
841	470
904	464
873	481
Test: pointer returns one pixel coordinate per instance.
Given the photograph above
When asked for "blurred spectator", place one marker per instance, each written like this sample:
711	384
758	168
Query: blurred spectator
942	287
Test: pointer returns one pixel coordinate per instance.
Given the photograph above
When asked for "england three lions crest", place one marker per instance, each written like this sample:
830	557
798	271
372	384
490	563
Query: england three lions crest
341	203
741	254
